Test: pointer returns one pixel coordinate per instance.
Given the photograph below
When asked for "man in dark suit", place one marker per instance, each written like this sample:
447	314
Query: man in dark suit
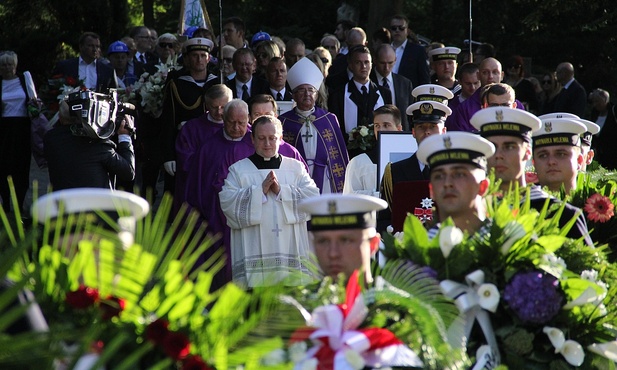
143	44
355	102
573	98
411	58
244	85
95	75
399	87
277	80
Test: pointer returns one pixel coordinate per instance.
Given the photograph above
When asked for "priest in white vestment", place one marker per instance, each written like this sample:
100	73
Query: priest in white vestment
269	238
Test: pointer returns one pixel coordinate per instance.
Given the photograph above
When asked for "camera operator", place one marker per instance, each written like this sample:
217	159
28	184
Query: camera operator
81	161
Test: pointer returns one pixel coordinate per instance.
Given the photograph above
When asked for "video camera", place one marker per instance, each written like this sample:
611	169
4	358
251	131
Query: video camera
100	114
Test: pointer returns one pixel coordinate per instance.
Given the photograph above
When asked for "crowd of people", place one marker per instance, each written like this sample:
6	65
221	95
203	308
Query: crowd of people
249	130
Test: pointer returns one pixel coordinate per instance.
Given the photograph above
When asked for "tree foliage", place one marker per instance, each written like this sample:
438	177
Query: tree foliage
548	32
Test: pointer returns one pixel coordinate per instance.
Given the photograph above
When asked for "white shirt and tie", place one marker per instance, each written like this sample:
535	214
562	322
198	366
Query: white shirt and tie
87	73
388	84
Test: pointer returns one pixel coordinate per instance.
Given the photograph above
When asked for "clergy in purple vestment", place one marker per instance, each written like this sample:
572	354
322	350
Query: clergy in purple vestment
490	72
195	132
208	171
314	132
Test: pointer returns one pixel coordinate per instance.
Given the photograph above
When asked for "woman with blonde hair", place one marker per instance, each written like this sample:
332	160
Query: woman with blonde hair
265	51
550	89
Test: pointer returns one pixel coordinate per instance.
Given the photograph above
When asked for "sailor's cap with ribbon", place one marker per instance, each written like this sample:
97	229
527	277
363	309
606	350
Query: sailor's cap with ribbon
432	92
558	131
506	121
455	147
342	211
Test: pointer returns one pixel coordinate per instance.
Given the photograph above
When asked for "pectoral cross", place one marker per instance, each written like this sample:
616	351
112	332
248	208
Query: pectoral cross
307	134
277	230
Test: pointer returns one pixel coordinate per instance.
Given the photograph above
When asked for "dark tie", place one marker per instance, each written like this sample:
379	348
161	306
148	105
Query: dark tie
245	93
364	99
142	58
279	97
385	83
426	173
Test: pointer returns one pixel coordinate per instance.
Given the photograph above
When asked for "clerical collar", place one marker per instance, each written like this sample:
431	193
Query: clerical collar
305	113
230	138
212	119
266	163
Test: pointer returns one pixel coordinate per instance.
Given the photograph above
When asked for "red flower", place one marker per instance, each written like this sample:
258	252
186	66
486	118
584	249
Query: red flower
195	363
157	331
599	208
71	81
176	345
83	297
531	178
112	306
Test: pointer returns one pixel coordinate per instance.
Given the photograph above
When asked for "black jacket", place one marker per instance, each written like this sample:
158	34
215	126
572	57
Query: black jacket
76	162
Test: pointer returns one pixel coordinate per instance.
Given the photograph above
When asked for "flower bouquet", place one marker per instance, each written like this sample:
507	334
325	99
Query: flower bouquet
108	301
400	320
148	91
596	195
540	299
362	137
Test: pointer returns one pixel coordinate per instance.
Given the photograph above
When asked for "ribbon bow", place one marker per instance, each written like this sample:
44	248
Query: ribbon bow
340	345
474	300
424	214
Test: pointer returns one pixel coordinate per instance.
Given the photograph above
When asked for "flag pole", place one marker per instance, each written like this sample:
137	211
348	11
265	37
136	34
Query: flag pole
222	79
470	34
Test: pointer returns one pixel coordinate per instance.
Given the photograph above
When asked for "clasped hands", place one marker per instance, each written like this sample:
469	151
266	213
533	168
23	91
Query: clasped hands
271	183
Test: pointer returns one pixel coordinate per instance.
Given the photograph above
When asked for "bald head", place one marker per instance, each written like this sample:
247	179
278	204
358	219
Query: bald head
490	71
356	36
564	72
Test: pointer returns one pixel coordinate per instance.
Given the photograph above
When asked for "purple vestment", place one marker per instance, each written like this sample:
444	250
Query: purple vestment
192	135
206	177
461	117
331	157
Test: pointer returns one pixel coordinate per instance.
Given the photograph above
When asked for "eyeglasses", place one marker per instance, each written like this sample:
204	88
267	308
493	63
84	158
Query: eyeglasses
304	91
164	45
546	82
499	105
398	28
262	55
228	60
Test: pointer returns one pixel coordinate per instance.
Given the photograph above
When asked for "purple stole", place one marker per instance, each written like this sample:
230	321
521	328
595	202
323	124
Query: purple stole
331	154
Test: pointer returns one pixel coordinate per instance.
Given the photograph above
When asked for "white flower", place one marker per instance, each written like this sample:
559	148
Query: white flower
608	350
309	364
488	297
590	275
515	231
364	131
275	357
554	261
390	229
354	359
449	237
569	349
297	351
399	236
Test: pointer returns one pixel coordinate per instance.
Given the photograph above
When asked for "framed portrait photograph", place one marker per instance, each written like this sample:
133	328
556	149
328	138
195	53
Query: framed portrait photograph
393	146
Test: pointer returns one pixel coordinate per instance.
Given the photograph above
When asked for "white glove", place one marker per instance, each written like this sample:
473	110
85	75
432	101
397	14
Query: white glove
170	167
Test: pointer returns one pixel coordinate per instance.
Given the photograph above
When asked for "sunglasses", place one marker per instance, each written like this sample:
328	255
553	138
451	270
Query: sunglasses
546	82
398	28
499	105
164	45
324	60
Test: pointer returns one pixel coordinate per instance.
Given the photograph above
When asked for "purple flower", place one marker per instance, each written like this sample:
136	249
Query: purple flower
534	296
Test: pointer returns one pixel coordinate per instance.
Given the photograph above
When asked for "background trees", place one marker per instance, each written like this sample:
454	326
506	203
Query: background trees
548	32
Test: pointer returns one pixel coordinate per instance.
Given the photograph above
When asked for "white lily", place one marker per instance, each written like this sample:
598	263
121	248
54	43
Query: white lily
608	350
516	231
354	359
488	297
571	350
449	237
